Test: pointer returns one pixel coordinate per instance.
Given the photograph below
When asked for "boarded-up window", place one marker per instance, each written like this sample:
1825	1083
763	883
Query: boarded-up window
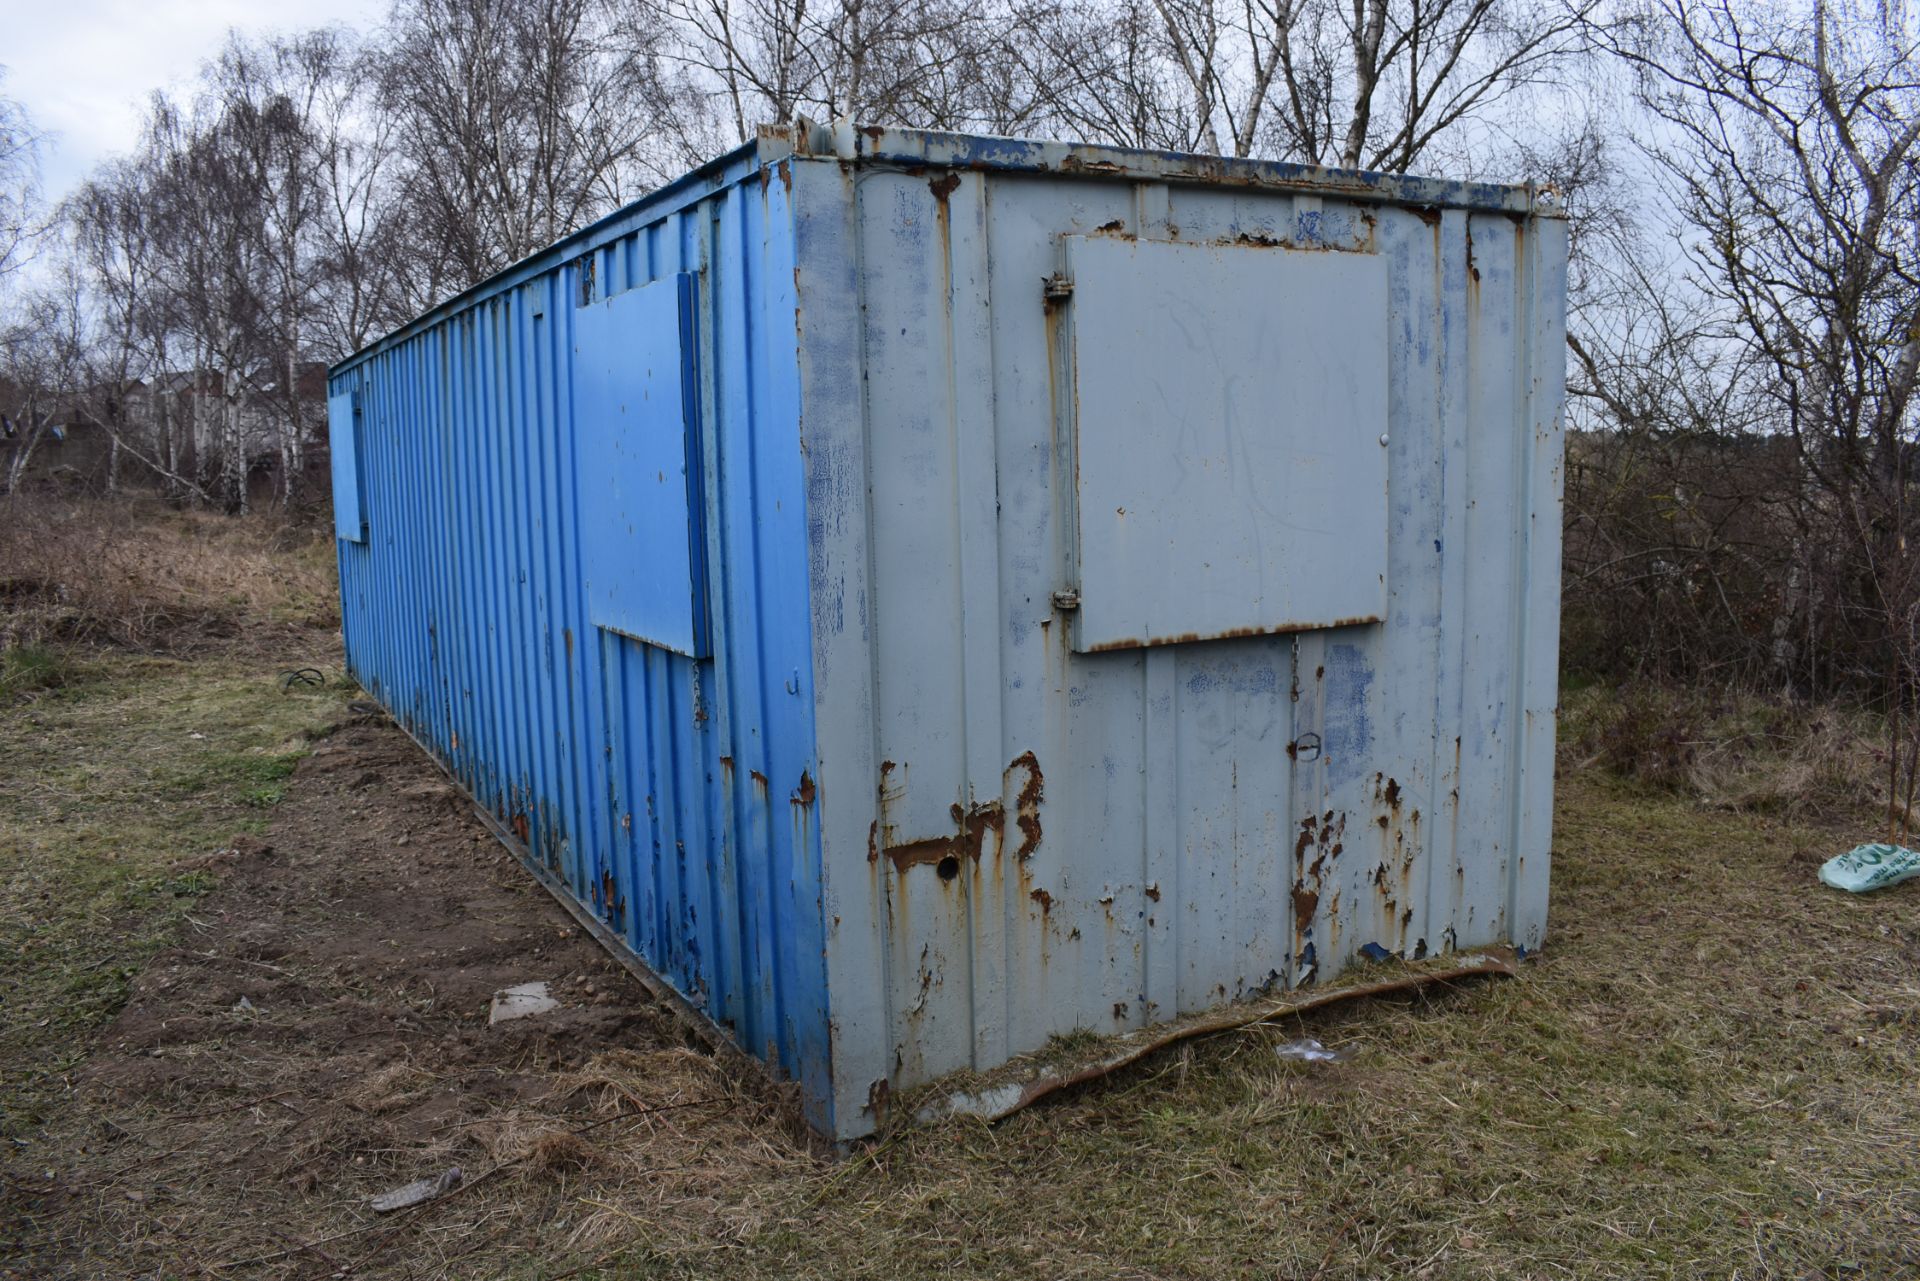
343	445
636	415
1228	405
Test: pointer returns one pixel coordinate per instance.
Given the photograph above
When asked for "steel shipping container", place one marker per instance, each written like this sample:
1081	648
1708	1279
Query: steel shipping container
919	594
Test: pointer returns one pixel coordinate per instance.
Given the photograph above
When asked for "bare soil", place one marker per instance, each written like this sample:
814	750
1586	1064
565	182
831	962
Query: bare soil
320	1034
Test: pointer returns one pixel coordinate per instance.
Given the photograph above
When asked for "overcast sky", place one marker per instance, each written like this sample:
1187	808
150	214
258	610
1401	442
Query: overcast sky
83	68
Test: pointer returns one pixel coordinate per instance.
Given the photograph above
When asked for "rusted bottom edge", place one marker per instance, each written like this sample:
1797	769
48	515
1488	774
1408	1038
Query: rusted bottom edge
702	1027
1025	1082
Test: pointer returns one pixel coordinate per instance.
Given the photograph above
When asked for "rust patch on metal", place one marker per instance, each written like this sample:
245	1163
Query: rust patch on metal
971	825
1044	899
873	841
1305	903
1232	633
1429	214
1258	240
1027	804
520	828
726	763
944	187
914	853
786	176
1075	164
803	795
759	779
1153	892
1393	793
567	635
1117	225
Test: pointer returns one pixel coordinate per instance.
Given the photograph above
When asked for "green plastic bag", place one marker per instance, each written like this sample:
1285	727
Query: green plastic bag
1870	867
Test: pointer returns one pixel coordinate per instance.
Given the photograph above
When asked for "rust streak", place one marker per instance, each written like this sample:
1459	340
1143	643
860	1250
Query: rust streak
943	187
970	828
1027	804
803	795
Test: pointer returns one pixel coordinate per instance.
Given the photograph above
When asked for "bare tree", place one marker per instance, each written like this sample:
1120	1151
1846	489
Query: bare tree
936	64
1793	158
1370	84
362	227
517	121
41	354
19	183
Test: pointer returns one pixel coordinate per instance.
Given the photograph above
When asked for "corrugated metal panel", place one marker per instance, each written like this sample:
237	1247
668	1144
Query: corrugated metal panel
672	796
1062	840
899	822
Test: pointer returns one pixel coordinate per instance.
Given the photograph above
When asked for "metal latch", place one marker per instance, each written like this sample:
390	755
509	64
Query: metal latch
1066	598
1058	285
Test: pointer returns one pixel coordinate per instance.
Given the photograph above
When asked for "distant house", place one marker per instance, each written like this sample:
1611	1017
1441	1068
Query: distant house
180	421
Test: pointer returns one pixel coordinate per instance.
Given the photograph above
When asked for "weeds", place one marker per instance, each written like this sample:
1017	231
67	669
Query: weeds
1731	750
27	669
139	575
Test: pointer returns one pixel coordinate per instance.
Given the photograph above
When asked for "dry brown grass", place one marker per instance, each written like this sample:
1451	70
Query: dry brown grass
139	575
1731	749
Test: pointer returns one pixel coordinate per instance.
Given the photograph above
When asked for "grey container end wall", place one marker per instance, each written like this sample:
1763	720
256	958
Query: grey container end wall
972	590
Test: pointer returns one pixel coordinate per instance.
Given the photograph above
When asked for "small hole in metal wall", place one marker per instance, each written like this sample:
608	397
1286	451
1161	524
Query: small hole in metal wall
948	867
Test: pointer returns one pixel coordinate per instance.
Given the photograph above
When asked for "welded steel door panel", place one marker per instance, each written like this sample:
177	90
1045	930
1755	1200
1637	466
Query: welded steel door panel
1227	415
636	419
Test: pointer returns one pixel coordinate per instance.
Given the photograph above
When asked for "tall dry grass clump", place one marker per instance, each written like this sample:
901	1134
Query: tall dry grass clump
141	575
1731	748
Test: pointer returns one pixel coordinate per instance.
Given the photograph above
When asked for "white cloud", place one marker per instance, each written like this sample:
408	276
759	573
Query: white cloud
84	68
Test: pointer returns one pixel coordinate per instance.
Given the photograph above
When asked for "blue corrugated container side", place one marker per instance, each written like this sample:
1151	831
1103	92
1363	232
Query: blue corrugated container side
664	781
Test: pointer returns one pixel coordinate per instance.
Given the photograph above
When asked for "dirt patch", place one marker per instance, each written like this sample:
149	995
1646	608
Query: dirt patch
319	1034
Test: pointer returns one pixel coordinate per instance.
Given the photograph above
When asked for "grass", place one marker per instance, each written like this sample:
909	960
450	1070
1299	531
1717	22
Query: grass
1709	1075
122	782
127	770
